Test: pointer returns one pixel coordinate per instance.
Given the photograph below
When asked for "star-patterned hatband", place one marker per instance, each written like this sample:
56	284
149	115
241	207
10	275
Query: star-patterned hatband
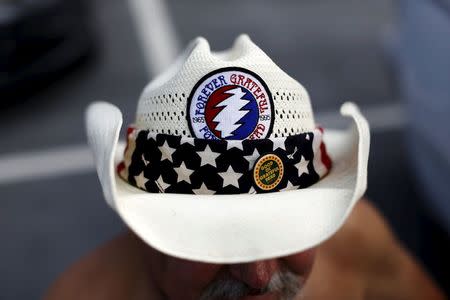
162	163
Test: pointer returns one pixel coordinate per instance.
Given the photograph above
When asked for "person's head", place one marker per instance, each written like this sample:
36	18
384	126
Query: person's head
233	127
274	279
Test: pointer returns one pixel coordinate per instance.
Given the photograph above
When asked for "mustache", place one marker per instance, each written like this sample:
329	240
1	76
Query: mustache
285	283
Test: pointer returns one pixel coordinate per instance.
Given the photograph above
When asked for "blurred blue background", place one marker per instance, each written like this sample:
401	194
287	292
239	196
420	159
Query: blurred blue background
56	56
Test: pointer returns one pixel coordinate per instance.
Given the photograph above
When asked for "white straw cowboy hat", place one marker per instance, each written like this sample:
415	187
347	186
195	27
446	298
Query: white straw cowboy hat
224	163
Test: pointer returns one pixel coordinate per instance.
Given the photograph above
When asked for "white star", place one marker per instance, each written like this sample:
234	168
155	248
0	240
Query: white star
141	180
307	136
166	152
150	135
252	190
234	144
289	187
252	158
187	140
279	143
162	184
302	166
183	173
230	177
203	190
207	156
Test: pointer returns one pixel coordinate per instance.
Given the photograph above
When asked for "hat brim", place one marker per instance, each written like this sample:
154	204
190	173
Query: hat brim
235	228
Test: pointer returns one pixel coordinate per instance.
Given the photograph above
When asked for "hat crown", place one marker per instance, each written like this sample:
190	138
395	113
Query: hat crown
164	104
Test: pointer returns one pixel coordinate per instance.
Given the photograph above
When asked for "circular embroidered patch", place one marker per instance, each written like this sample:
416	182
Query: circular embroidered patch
231	104
268	172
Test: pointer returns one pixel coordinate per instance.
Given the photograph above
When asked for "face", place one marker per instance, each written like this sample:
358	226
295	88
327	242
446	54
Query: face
274	279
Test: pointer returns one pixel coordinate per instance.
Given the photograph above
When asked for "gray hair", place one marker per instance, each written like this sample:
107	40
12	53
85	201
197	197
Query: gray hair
286	283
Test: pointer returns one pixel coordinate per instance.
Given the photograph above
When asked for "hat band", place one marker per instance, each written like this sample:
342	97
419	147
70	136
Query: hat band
162	163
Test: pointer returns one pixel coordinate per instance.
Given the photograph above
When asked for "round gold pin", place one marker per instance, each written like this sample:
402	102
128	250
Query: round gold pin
268	172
